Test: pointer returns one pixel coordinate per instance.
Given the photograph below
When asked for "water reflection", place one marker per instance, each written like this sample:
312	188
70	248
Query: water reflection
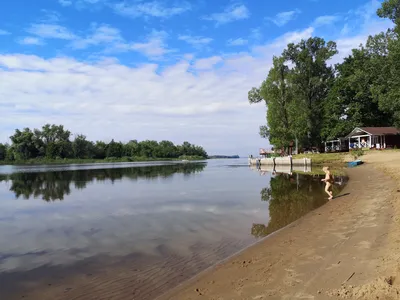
290	197
52	186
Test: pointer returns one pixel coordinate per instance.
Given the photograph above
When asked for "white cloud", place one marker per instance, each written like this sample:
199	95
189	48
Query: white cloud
237	42
65	2
51	31
195	41
284	17
325	20
231	13
103	34
150	8
4	32
29	40
154	46
207	63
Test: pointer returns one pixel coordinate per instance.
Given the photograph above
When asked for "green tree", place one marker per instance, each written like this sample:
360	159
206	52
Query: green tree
286	117
81	147
114	149
351	102
3	151
24	146
310	80
388	91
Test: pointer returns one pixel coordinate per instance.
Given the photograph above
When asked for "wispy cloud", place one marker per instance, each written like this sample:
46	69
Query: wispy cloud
150	9
231	13
207	63
49	16
237	42
65	2
325	20
29	40
51	31
195	41
284	17
103	34
255	34
4	32
153	47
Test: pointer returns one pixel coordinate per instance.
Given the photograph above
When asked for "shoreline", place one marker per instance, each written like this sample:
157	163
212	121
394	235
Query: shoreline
303	261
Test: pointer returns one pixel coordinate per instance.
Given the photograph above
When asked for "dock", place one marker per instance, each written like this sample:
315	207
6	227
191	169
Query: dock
285	169
280	161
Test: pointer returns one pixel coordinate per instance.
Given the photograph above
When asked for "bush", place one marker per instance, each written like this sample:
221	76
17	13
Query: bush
357	153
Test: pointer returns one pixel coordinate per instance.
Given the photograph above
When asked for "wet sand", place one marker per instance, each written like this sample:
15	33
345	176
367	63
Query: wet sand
348	248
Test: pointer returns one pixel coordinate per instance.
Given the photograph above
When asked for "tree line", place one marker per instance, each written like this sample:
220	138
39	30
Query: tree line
312	101
55	142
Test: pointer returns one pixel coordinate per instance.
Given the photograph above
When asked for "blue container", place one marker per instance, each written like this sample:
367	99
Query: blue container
355	163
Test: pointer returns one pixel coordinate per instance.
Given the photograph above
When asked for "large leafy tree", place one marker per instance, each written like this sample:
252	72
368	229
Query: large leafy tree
388	92
294	92
351	102
311	79
285	116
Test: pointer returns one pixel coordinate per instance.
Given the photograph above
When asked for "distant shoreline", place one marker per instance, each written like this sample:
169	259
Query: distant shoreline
45	161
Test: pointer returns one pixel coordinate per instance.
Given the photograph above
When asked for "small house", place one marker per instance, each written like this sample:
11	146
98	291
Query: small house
374	137
338	145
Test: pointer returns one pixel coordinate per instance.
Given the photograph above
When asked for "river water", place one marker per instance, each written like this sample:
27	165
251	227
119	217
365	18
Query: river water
138	228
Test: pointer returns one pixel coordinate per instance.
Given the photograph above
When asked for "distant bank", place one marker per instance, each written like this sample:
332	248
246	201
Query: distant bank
223	156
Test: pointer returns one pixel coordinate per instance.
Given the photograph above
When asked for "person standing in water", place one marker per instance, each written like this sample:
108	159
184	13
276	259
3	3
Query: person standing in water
328	182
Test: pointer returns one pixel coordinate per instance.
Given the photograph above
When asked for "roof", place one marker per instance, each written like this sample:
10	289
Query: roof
266	151
381	130
374	131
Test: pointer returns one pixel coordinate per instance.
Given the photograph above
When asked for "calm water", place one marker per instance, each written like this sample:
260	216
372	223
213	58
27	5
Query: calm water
150	226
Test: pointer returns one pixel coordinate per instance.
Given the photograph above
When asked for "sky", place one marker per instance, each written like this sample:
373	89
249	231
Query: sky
158	69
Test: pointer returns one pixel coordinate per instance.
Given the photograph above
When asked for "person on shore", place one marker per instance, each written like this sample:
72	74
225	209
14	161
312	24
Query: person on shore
328	182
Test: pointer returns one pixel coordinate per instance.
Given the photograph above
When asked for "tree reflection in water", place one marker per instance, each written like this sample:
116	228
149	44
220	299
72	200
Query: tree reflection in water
291	197
54	185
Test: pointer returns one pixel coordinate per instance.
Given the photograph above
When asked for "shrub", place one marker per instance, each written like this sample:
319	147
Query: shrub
357	153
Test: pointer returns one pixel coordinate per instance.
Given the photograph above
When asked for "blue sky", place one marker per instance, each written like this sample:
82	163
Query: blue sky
177	70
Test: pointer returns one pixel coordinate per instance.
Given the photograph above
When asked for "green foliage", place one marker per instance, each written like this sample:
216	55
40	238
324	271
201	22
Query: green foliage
293	95
53	142
309	100
356	153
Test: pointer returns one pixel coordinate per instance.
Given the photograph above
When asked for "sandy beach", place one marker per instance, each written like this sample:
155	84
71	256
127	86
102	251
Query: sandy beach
347	249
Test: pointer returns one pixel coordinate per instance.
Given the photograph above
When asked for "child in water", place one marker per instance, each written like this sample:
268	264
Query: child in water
328	182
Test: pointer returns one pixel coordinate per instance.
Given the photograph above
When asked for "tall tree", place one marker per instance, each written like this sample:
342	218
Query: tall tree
285	116
311	79
351	102
389	92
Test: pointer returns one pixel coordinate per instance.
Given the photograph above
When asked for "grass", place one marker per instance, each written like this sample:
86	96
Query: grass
46	161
